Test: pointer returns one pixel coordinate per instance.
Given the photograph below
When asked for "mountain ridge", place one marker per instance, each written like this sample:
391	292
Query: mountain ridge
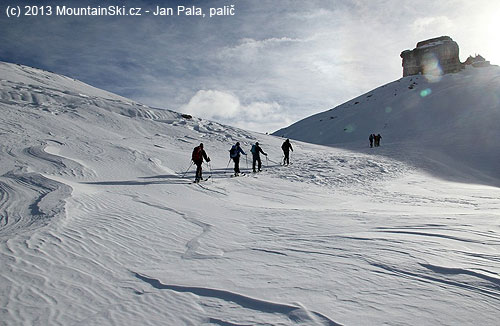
452	114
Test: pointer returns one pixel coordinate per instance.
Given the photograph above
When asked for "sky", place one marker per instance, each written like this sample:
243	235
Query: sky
270	64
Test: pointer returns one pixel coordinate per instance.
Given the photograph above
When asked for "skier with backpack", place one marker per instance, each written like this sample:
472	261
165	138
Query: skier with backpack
234	154
256	150
286	147
197	157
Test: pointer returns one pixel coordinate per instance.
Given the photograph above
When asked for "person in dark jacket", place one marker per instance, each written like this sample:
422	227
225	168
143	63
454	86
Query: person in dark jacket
377	140
286	147
256	150
234	153
371	140
198	155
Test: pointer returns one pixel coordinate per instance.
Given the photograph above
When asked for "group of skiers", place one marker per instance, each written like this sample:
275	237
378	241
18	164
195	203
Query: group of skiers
199	155
374	139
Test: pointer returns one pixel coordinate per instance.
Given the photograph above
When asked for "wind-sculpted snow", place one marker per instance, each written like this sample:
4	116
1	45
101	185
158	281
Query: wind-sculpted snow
29	200
296	314
341	169
102	225
54	164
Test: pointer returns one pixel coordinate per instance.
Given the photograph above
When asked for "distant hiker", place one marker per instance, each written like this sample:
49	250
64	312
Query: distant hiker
234	153
198	155
286	147
377	140
256	150
371	140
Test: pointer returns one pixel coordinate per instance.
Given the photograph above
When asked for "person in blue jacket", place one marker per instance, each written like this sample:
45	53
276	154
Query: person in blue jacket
234	153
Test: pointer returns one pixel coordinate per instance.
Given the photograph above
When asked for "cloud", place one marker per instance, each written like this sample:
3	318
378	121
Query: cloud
227	108
434	24
272	63
213	105
250	43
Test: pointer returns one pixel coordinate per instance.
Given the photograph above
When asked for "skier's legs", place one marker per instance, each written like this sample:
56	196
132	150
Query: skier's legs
236	165
198	170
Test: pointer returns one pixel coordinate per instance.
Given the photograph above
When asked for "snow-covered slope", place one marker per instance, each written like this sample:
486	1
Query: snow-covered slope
452	118
98	226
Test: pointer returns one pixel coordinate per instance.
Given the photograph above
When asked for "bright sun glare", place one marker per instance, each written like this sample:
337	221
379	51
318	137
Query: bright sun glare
491	28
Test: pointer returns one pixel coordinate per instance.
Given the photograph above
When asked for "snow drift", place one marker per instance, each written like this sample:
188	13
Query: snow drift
98	226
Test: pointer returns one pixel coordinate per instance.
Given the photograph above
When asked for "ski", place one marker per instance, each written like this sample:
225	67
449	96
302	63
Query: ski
202	180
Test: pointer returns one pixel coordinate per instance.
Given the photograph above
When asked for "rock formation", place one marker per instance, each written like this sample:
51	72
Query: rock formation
434	56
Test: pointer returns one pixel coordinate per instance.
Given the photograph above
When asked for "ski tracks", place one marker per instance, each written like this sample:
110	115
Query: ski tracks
334	168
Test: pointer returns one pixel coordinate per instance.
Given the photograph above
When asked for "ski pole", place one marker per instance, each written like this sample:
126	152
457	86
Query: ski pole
228	164
187	169
272	161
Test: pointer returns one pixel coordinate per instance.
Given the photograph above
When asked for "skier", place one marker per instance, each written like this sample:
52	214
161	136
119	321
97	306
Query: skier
256	150
377	140
234	153
286	147
198	155
371	140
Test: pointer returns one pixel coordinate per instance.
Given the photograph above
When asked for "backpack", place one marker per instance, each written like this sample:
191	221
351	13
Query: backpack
197	154
254	149
232	151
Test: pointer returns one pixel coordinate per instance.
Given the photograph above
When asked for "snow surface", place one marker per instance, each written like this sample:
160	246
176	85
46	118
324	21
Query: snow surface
98	227
452	122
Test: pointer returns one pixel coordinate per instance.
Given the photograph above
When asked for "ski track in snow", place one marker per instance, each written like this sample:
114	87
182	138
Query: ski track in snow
98	228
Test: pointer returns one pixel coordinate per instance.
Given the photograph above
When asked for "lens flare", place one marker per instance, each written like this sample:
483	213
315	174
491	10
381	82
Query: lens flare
432	69
350	128
425	92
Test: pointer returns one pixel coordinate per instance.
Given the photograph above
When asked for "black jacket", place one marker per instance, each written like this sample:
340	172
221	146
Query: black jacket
257	150
286	147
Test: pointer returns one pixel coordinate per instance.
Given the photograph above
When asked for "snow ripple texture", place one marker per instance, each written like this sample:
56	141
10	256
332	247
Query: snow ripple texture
102	225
